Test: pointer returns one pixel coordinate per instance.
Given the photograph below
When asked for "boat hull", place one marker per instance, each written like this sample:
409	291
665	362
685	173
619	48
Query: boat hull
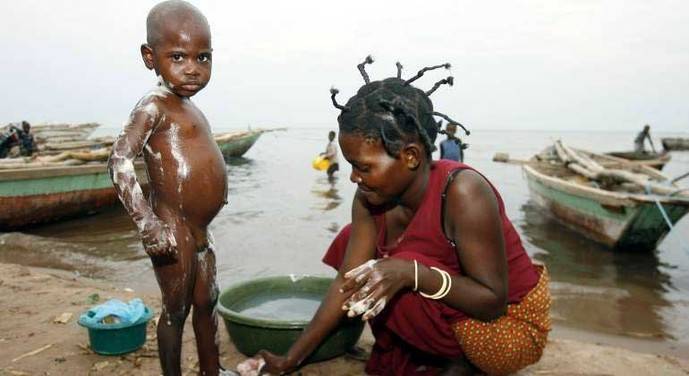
655	160
236	147
675	143
35	196
619	223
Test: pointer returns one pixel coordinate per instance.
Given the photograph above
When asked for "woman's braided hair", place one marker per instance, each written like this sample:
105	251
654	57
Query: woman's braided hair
393	110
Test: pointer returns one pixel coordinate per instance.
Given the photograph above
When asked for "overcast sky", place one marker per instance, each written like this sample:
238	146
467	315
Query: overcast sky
535	64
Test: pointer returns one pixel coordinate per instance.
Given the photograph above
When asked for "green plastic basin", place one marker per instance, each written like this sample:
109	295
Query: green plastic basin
251	330
119	338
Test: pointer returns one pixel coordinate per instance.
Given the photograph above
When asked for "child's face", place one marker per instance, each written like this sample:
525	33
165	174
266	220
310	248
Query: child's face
380	177
182	57
451	129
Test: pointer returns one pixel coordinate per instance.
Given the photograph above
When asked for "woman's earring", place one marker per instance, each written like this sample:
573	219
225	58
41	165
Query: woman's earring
413	164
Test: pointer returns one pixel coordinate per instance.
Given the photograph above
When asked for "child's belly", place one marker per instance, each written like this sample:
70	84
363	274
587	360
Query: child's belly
191	182
204	191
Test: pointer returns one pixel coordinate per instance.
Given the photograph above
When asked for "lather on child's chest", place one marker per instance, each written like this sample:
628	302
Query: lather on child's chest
184	132
186	147
184	119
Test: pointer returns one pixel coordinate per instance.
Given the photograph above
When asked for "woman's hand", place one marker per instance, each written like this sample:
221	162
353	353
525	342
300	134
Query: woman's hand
375	283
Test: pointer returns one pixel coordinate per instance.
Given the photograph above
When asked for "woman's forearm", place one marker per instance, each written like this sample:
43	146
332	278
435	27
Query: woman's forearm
327	317
360	248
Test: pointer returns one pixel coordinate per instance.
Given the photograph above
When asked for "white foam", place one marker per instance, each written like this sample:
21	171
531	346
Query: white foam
151	109
175	146
153	154
121	166
161	90
296	278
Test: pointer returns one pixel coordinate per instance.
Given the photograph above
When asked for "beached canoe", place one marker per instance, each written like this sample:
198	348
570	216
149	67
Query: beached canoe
53	139
675	143
621	216
50	188
655	160
56	133
32	196
235	144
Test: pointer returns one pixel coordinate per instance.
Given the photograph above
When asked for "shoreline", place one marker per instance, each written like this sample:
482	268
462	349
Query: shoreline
144	282
32	297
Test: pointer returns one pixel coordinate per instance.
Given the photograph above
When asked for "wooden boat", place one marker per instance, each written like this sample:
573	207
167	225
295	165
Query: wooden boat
31	196
621	215
651	159
235	144
675	143
53	139
51	187
55	133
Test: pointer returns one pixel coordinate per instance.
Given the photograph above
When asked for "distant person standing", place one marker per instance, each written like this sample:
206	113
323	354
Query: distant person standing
14	136
452	147
331	154
640	140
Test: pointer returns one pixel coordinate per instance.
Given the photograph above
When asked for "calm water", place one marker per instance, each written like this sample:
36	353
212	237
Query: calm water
285	308
283	214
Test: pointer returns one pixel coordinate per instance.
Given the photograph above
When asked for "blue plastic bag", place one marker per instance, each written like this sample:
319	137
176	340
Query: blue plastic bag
127	313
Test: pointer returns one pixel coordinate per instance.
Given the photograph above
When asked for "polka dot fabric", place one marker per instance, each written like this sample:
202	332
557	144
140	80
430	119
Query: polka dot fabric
513	341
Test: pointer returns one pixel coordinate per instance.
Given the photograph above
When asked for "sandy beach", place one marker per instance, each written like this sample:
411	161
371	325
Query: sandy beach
34	344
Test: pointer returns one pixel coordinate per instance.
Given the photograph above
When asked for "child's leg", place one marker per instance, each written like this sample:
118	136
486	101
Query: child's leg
332	169
204	317
176	279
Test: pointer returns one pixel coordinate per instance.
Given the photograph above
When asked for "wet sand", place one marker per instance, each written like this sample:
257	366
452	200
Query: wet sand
33	297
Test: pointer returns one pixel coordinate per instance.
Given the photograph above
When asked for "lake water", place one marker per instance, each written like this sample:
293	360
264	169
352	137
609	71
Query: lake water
282	215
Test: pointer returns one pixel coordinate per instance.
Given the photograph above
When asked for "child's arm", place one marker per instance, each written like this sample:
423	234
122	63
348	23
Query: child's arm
156	236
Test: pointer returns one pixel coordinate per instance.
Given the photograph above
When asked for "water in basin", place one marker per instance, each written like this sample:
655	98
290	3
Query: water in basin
288	307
